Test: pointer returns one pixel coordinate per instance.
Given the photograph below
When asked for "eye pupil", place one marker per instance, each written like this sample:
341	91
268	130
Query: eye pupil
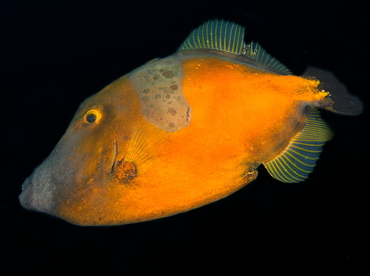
90	118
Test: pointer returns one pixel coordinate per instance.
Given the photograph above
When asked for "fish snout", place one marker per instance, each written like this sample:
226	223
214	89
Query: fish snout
35	196
25	198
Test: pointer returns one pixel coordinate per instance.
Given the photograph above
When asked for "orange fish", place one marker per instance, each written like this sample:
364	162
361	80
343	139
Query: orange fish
187	130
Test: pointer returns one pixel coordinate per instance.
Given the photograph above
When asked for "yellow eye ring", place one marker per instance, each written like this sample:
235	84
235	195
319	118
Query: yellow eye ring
92	116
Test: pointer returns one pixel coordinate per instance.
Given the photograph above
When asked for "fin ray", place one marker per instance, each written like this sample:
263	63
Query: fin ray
300	157
216	35
138	149
229	37
256	53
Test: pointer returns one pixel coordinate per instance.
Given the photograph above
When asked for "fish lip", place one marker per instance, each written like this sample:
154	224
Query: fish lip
25	198
25	184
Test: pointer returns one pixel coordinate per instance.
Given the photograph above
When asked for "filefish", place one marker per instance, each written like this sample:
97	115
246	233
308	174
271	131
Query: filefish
187	130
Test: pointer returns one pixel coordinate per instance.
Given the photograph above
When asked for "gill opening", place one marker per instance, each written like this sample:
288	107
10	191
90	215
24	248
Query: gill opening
114	156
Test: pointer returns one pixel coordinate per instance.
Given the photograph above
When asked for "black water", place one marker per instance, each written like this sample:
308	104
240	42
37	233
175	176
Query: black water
53	54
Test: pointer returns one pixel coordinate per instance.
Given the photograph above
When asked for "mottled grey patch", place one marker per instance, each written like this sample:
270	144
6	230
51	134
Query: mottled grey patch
145	99
159	87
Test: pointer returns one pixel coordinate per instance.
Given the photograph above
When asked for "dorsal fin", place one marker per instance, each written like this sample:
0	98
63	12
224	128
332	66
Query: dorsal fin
229	37
299	158
216	35
256	53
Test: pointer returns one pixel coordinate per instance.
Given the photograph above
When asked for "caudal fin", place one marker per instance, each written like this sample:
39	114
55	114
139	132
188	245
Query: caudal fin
342	101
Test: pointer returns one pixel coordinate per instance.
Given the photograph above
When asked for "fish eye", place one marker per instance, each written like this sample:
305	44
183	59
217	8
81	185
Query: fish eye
92	116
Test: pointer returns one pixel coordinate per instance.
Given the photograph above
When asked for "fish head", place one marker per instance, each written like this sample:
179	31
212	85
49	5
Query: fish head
90	158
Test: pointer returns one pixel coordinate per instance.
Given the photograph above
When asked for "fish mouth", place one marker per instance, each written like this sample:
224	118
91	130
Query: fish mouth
25	198
29	197
37	193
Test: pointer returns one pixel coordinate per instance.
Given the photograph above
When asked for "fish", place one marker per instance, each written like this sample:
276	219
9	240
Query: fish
187	130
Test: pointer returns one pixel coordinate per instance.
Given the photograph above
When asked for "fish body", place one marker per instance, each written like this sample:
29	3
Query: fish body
184	131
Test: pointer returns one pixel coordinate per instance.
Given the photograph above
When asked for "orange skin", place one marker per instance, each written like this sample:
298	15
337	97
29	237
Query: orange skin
125	169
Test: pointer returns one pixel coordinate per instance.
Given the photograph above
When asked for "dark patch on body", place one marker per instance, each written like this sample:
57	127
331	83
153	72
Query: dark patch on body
168	74
125	170
174	87
172	111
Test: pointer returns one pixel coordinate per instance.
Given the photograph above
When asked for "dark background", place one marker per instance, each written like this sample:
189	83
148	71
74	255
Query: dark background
53	54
